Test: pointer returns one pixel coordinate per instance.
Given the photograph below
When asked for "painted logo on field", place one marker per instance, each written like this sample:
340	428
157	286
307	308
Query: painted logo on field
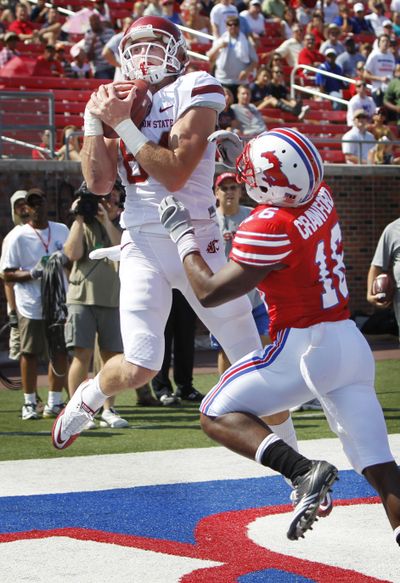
236	527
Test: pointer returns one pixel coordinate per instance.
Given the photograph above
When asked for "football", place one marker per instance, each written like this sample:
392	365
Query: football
140	107
383	287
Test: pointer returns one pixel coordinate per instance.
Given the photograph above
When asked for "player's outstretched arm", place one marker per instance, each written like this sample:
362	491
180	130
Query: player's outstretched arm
212	289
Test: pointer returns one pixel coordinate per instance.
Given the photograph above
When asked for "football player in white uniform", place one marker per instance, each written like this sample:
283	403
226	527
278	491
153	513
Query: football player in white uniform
170	153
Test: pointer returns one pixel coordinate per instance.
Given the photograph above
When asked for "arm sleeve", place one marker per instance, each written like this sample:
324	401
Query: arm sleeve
260	242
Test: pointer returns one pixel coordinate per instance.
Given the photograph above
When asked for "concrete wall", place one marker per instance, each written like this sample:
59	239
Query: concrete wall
367	198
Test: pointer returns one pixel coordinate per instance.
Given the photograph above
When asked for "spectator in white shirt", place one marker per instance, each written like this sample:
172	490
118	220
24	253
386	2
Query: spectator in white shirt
331	10
357	142
219	14
377	17
291	47
379	68
255	19
361	100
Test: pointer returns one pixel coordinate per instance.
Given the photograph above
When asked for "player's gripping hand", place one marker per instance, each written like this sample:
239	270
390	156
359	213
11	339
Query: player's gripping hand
175	218
177	221
229	146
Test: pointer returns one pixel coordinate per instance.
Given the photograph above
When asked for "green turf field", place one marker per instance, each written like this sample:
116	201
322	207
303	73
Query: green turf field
159	428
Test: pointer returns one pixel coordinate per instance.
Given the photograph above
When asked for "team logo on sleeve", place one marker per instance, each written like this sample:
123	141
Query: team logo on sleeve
213	246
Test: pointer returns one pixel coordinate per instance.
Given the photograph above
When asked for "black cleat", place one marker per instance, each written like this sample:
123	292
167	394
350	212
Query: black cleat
311	489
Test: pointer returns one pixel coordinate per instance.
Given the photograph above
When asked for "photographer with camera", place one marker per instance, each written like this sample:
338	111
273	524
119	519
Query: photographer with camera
93	293
27	254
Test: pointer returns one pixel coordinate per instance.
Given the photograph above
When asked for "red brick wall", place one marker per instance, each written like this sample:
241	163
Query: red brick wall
367	198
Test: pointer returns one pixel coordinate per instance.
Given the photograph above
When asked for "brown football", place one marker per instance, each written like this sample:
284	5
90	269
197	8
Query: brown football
383	286
140	107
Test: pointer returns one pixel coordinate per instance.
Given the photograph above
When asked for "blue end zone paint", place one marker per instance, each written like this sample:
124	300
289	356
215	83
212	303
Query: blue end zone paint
273	575
168	512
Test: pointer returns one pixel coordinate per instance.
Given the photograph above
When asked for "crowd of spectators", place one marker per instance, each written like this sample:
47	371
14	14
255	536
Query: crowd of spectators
251	43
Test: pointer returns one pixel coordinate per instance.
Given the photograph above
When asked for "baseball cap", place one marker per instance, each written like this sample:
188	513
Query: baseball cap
34	192
224	176
360	113
333	26
255	3
18	195
329	51
358	7
387	22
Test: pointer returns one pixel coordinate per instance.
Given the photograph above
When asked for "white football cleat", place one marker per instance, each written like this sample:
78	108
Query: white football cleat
72	419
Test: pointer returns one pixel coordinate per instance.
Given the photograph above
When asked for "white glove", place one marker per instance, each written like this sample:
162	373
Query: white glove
175	218
229	146
111	253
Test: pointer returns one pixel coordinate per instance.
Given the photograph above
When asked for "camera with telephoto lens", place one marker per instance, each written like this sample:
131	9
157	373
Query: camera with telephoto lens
87	205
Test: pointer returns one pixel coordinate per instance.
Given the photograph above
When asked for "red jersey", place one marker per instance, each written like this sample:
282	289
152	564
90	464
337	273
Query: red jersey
21	27
312	287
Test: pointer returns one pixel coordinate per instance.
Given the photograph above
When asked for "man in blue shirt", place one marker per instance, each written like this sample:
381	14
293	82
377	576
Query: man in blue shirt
326	84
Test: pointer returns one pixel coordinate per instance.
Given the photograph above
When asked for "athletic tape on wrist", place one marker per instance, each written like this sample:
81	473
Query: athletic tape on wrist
92	124
187	244
132	137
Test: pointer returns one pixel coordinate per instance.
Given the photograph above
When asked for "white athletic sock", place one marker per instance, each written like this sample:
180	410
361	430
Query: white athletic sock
286	432
30	398
93	395
263	446
54	398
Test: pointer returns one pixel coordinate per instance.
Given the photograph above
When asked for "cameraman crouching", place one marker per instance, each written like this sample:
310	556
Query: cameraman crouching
93	292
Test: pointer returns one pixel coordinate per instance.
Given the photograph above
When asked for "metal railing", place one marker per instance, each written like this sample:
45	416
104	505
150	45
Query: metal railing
359	144
314	91
8	125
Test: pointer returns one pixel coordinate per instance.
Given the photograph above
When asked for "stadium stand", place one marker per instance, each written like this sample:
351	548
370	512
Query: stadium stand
71	95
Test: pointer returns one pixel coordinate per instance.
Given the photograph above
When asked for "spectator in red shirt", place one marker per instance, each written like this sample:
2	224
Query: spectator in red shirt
309	55
46	65
22	26
316	28
38	154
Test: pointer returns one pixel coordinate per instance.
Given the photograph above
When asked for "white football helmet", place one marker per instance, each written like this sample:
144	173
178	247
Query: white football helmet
280	167
152	48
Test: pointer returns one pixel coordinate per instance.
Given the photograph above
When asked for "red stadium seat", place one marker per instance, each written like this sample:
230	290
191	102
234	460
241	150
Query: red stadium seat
332	156
327	115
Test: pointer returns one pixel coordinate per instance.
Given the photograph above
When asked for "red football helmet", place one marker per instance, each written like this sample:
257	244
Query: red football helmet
153	48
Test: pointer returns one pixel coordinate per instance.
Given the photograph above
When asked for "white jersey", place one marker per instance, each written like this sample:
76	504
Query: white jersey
25	249
144	193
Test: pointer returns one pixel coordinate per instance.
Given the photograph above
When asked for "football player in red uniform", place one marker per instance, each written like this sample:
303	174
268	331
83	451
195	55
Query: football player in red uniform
170	152
291	249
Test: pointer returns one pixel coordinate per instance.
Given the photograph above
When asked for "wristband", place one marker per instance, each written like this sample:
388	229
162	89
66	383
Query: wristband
187	244
132	137
93	126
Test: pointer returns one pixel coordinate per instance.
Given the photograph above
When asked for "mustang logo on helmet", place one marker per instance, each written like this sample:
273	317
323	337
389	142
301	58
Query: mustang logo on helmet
273	174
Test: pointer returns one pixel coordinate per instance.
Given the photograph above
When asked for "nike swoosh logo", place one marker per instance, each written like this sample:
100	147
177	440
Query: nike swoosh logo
165	108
